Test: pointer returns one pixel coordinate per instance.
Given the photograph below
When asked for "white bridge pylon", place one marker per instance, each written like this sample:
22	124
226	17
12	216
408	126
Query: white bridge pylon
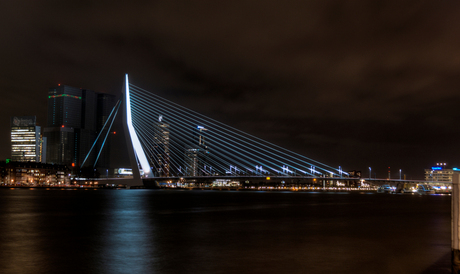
135	151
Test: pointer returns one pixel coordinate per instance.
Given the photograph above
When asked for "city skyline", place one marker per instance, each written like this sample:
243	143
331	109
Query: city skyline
350	85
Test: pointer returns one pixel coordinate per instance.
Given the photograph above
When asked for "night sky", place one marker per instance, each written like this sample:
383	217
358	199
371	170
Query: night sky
352	83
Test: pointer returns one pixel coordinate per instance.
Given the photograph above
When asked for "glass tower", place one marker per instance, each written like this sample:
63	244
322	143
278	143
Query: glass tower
25	139
74	118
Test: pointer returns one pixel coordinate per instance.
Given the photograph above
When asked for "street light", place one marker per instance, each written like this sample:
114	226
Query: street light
370	169
400	174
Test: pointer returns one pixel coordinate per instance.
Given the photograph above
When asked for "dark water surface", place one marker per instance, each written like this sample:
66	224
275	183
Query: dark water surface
161	231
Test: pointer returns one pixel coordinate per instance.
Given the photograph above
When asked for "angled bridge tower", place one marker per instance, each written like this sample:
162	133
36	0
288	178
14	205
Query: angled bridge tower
135	151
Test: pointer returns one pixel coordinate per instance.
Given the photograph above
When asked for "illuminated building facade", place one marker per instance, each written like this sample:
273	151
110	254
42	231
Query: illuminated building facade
25	139
33	174
191	162
440	173
162	148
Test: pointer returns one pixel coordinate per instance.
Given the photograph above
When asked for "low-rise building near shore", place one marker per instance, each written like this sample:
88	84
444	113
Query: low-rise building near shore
440	173
33	174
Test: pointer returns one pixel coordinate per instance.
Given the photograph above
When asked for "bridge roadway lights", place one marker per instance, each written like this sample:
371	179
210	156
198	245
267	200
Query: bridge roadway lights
455	229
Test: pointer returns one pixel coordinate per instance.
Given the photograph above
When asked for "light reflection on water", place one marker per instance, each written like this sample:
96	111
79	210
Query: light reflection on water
128	241
146	231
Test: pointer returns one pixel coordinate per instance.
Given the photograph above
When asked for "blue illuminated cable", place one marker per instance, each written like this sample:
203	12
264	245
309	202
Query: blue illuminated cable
172	148
147	149
282	172
296	168
170	139
247	147
201	120
156	152
153	153
108	132
99	134
147	134
245	167
140	89
246	156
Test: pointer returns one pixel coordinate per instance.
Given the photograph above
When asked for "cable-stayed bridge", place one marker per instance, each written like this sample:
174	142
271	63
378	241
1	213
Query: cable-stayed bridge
169	140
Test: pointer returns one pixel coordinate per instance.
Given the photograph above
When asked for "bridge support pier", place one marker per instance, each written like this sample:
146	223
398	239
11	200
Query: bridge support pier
455	226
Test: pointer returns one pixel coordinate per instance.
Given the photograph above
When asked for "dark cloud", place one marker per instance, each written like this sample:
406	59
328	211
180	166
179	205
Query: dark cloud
353	83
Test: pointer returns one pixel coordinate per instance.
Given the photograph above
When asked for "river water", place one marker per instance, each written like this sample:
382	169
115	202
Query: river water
174	231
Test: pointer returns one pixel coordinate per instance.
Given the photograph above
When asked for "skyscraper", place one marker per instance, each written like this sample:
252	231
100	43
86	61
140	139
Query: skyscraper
196	157
161	148
64	107
60	145
64	117
73	124
25	139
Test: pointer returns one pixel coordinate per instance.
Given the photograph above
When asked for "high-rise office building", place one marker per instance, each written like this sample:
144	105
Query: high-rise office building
64	118
196	158
161	148
192	163
73	116
25	139
60	145
64	107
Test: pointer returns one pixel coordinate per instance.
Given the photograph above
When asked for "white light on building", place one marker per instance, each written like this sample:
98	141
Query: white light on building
25	139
